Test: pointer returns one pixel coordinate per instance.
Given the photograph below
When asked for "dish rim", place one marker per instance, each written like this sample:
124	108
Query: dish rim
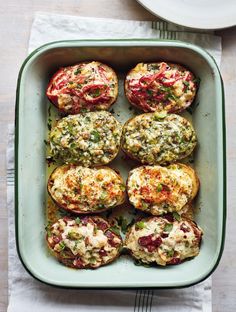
112	43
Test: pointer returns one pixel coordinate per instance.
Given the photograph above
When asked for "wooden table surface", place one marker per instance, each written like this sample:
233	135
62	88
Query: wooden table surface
15	23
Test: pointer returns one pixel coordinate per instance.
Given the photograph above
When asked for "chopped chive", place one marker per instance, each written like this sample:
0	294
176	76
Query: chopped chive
140	225
176	216
168	227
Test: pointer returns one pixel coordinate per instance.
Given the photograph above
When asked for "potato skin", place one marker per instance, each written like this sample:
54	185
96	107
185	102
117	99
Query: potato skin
163	240
158	190
72	89
55	238
73	202
160	86
136	142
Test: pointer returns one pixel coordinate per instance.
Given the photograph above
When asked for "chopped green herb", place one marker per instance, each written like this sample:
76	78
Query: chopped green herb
77	71
122	187
149	92
62	245
123	223
139	263
197	81
140	225
145	205
115	229
160	115
159	187
77	220
176	216
96	92
95	136
168	227
186	83
73	145
70	82
45	142
74	235
170	253
103	195
101	206
92	260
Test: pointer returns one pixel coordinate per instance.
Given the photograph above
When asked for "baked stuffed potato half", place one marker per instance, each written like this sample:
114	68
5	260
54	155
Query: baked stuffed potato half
89	139
160	86
83	190
155	138
158	190
83	243
87	86
163	241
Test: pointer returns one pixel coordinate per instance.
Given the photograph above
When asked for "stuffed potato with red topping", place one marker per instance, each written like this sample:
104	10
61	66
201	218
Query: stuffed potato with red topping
83	243
160	86
163	240
86	86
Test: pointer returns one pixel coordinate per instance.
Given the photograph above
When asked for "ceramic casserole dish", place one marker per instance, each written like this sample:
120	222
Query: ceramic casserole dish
31	171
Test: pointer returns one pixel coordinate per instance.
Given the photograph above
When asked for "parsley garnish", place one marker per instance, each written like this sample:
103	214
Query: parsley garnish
168	227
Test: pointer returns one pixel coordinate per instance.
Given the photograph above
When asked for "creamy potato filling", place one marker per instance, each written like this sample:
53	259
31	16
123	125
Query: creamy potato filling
83	242
164	242
89	139
159	189
158	139
86	189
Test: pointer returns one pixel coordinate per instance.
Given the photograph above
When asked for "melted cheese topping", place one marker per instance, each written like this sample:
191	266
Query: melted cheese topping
84	189
87	139
158	189
154	139
160	86
158	240
85	86
83	243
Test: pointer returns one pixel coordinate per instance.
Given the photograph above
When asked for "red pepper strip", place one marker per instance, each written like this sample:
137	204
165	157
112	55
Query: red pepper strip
151	78
86	90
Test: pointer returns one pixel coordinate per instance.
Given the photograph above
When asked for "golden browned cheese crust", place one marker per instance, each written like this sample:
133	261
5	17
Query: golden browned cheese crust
86	190
158	190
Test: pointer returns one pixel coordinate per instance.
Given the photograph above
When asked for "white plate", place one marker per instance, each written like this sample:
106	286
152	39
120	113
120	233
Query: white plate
202	14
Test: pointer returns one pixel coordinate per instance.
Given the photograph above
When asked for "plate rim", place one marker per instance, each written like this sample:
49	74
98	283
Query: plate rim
153	11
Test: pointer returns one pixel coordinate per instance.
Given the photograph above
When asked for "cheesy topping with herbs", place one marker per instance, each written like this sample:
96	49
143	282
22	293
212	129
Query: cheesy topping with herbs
163	240
155	138
89	139
85	242
87	86
160	86
85	190
158	190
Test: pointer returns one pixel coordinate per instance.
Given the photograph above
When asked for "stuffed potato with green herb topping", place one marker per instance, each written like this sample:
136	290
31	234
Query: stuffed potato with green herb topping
86	190
163	240
160	86
157	138
83	243
87	86
158	190
89	139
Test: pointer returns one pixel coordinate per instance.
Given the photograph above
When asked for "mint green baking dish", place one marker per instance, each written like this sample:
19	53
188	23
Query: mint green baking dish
30	166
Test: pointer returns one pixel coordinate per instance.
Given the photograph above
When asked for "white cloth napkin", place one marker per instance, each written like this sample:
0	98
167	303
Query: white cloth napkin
27	294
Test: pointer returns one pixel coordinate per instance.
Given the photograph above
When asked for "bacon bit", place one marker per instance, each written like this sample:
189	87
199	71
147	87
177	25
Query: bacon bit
102	253
145	240
78	263
101	225
174	261
169	217
184	228
164	235
57	239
